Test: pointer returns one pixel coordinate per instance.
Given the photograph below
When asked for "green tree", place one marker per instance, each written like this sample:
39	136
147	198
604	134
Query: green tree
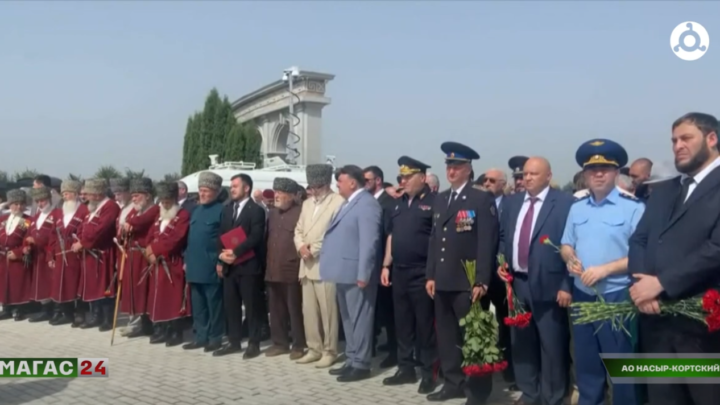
107	173
188	148
200	156
25	174
169	177
4	176
76	177
131	174
568	187
213	103
253	144
235	143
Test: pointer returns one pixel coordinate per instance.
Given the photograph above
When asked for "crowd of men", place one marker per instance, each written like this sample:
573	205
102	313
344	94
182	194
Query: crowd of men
306	267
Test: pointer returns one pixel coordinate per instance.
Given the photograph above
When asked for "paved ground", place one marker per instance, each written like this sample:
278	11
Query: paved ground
141	374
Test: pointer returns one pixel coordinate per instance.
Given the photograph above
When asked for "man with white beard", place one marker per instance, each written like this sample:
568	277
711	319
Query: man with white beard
168	293
120	187
37	242
15	277
66	264
95	244
132	234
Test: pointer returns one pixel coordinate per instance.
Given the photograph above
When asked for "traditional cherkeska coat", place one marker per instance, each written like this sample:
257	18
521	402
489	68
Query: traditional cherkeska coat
15	275
98	254
133	300
66	280
169	293
41	230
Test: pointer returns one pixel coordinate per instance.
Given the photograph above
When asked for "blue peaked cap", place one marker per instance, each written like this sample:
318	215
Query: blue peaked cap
458	153
603	152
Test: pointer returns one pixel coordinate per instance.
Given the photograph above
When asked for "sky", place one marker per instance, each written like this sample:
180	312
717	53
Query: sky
92	83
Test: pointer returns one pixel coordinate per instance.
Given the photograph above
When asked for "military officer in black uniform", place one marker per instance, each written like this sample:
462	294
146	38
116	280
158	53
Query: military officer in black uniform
409	227
517	163
465	227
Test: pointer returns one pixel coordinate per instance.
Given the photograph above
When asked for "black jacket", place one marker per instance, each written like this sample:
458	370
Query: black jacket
252	221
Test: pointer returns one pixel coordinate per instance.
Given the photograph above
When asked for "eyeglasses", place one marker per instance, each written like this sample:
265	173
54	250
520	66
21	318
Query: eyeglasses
490	180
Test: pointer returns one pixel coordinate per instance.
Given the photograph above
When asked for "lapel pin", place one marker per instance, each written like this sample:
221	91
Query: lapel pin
463	197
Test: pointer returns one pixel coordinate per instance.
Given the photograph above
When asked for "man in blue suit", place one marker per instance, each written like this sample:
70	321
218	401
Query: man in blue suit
350	257
541	283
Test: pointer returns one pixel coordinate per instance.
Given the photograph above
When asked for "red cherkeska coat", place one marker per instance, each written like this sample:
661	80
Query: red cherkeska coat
133	299
67	269
41	234
15	277
98	255
169	300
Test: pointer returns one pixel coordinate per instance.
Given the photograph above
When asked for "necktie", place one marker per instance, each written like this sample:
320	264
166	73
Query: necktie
236	211
683	194
525	234
453	195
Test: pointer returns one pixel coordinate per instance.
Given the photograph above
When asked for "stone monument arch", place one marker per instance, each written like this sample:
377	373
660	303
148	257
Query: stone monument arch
297	139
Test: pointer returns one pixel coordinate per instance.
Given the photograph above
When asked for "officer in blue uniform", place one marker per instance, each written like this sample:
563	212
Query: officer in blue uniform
595	247
517	163
465	228
409	225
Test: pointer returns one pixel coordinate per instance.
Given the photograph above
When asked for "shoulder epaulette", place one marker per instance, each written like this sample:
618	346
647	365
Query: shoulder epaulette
582	198
630	197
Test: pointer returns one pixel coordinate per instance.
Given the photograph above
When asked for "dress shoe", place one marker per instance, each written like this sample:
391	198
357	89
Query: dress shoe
62	319
137	332
78	320
402	376
445	394
173	339
211	347
40	317
5	314
427	385
326	361
229	348
354	374
158	338
340	370
309	357
193	346
274	351
389	362
296	354
19	315
252	351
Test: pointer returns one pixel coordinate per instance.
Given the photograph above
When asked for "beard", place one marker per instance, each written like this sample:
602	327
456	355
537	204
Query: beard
695	162
140	207
93	206
69	207
168	214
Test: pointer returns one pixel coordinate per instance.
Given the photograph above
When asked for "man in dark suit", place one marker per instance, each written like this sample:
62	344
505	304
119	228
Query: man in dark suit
675	254
185	202
541	282
384	308
243	282
465	228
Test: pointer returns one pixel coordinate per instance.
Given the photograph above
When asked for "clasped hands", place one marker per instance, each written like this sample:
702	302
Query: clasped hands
227	256
591	275
304	252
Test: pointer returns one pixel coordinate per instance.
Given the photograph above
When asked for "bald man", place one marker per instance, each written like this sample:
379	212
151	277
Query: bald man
640	172
540	352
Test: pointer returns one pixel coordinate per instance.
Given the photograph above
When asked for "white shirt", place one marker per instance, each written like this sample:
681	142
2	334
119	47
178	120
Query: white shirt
123	212
181	202
498	200
240	207
457	192
68	217
12	223
41	219
358	191
700	176
379	193
518	225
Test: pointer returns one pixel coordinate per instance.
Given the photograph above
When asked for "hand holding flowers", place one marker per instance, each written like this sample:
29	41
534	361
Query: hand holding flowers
517	315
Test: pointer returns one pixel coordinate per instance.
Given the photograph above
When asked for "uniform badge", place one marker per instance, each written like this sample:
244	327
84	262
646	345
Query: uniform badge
464	220
425	207
493	210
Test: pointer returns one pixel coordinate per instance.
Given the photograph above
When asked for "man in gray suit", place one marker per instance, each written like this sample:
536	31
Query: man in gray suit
350	257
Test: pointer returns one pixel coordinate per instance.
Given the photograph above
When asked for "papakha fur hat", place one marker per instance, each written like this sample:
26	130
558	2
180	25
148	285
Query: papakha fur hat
72	186
16	196
120	185
96	186
209	180
40	193
319	174
167	190
286	185
142	185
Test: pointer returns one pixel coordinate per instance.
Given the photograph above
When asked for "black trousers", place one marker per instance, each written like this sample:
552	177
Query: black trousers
414	320
678	335
497	296
450	307
239	290
385	317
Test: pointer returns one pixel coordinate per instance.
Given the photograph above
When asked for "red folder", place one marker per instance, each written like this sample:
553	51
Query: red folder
232	239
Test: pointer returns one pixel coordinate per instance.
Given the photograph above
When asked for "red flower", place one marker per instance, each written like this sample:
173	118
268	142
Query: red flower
713	321
107	293
544	239
711	301
509	321
509	278
476	370
183	312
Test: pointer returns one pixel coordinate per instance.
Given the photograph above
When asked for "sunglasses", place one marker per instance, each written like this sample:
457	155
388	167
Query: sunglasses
489	180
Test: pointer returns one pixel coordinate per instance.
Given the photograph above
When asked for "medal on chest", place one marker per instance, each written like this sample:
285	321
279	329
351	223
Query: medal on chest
464	220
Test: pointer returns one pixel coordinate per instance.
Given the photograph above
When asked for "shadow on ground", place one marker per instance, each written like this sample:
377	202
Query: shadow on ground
23	392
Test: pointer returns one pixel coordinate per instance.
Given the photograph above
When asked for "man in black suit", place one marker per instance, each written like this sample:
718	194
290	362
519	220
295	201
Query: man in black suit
185	202
541	282
675	254
465	228
243	282
384	313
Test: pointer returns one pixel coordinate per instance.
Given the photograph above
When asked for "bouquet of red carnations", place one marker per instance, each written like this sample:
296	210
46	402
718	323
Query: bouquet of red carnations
481	355
518	316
